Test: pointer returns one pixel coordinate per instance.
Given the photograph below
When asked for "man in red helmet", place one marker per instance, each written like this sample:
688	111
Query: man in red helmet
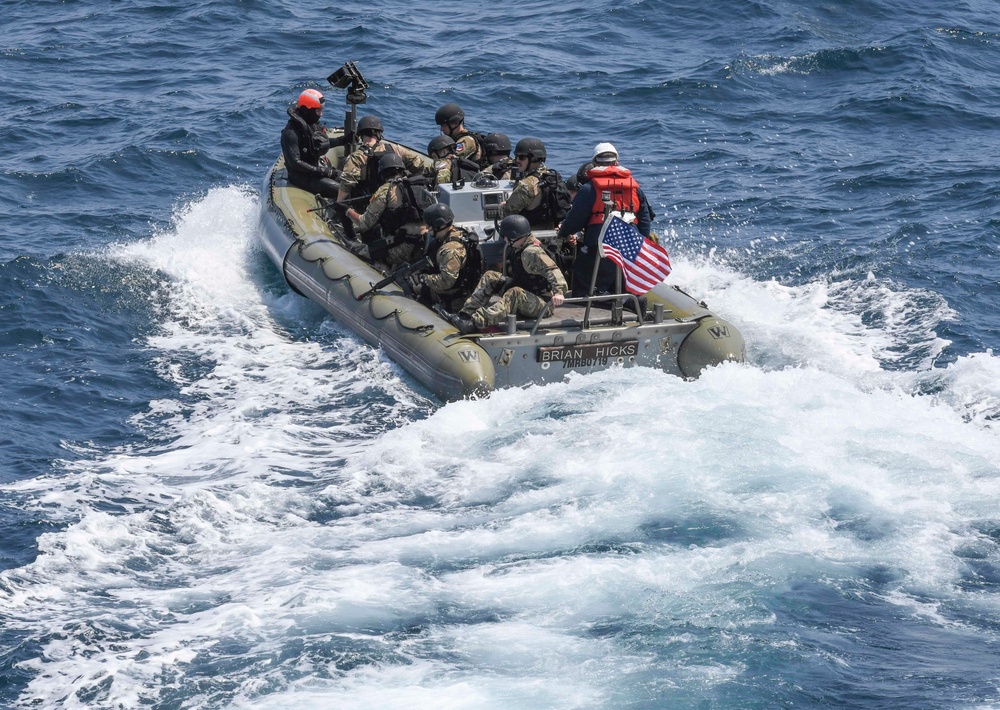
304	144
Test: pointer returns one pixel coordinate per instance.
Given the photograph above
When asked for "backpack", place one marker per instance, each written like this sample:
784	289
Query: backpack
473	268
417	195
480	144
416	198
555	195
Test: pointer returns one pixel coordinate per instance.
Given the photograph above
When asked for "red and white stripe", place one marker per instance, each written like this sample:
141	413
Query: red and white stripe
650	268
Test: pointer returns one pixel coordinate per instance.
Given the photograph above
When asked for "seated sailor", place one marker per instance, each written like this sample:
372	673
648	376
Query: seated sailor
450	118
447	164
360	176
540	194
304	144
392	224
497	147
532	279
457	262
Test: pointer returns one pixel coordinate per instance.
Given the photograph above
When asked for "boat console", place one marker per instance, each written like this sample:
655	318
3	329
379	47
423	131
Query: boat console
475	202
476	205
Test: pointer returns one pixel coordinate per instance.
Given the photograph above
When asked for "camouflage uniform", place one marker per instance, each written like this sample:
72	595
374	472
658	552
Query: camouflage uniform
468	147
356	167
526	195
450	258
442	170
404	253
516	299
390	196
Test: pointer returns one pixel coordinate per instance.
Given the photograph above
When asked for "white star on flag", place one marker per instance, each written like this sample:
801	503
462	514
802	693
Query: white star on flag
644	263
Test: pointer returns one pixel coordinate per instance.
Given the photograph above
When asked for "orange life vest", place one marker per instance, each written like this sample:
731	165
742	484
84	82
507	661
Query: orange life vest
619	182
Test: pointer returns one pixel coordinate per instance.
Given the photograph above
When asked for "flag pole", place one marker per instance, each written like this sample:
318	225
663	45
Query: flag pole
609	205
593	285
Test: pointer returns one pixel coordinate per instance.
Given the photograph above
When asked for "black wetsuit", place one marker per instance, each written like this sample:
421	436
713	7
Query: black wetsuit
303	146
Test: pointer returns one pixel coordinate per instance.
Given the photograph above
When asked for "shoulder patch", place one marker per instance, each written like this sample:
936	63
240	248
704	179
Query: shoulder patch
459	147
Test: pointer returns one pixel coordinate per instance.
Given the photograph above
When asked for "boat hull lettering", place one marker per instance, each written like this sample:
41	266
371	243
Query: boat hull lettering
587	354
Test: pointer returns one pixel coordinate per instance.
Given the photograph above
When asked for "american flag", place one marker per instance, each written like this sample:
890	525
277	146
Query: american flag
643	262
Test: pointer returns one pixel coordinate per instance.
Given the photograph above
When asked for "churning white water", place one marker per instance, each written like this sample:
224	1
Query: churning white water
312	530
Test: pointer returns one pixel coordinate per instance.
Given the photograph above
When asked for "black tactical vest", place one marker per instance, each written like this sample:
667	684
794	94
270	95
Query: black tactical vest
534	283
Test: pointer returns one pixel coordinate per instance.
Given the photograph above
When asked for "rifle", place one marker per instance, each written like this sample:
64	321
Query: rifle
400	277
338	206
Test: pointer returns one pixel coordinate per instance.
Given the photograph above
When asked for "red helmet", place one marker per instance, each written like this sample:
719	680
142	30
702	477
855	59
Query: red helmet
311	98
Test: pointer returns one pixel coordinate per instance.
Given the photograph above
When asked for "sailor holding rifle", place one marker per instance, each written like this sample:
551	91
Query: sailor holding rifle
391	224
457	263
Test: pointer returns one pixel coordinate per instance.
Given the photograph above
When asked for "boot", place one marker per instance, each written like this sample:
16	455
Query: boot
359	249
462	321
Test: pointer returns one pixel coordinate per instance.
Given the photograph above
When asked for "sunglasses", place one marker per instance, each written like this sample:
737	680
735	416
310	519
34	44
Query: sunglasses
522	156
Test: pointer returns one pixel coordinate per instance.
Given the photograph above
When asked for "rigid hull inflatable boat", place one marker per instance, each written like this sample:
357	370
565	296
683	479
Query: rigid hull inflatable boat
670	330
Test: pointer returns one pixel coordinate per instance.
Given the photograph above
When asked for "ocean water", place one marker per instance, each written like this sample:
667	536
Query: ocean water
212	495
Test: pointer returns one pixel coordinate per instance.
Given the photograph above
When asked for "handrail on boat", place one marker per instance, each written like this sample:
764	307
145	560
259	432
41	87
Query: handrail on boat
616	310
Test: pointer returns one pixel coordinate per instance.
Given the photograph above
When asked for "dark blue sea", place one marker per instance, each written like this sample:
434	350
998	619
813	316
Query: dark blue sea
213	495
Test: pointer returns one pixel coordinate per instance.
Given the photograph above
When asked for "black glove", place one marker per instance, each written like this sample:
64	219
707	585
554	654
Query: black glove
421	291
327	171
499	168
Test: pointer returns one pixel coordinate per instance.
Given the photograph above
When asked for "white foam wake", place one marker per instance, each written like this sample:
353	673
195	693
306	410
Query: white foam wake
309	531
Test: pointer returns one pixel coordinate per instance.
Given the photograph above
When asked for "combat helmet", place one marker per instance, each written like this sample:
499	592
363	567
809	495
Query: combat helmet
514	227
532	147
441	143
497	144
450	115
438	216
370	124
389	164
